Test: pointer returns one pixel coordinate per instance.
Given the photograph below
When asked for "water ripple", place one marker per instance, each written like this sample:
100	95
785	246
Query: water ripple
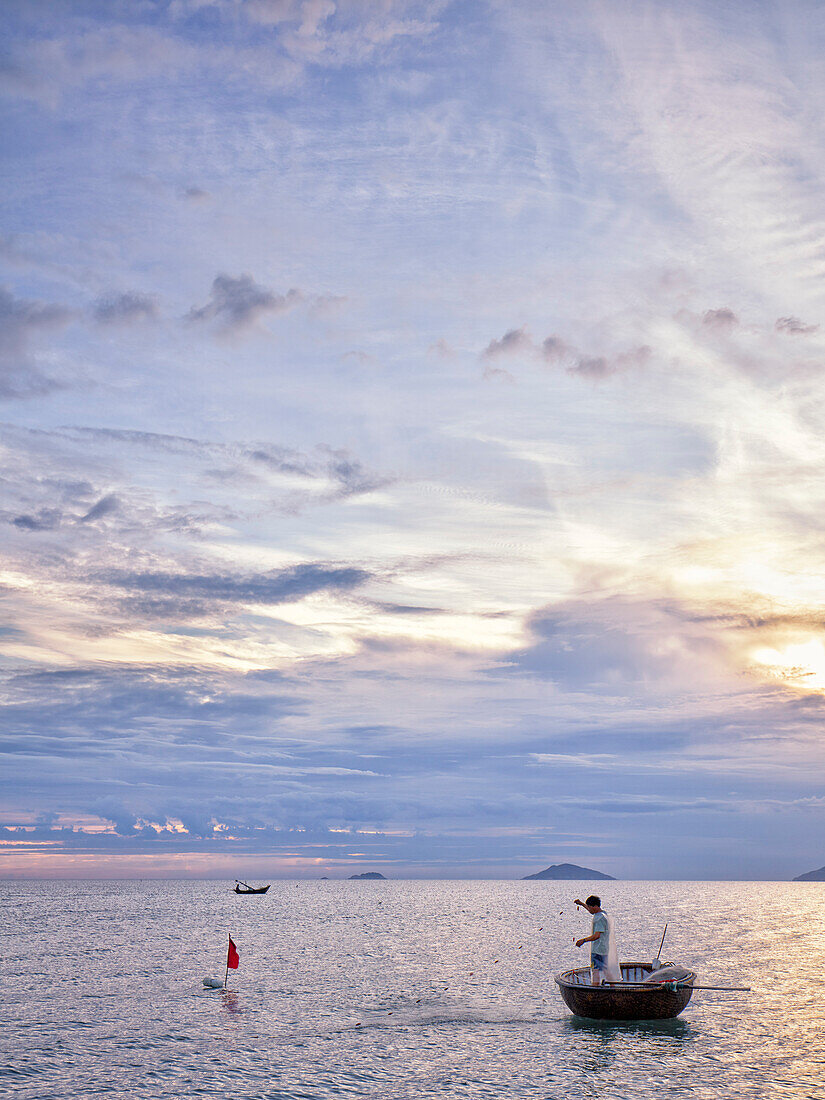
444	990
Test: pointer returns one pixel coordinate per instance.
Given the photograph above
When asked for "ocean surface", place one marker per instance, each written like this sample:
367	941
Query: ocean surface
400	989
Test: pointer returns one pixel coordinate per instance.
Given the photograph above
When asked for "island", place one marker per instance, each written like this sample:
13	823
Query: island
368	874
811	876
568	871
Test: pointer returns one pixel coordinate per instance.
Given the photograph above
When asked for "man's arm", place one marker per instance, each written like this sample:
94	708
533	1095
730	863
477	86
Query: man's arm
588	939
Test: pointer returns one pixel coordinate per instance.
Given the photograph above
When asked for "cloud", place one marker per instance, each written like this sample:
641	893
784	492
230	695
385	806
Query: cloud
792	326
275	587
64	475
592	367
124	309
271	13
363	358
22	322
47	519
517	343
651	805
323	32
160	441
513	343
313	14
196	194
600	366
49	66
283	460
350	475
104	507
554	349
615	646
238	303
441	349
328	305
720	320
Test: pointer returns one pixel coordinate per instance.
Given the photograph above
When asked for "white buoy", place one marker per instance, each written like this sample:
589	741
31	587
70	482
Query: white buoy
212	983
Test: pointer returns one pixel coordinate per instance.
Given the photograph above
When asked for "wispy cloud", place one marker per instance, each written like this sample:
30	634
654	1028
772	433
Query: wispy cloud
53	64
124	309
272	588
792	326
22	323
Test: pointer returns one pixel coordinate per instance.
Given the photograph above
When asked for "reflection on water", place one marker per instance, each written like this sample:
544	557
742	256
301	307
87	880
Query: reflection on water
666	1029
441	990
231	1003
607	1050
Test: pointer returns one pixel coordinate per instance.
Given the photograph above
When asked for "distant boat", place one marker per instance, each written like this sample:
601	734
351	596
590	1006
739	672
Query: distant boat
245	888
644	997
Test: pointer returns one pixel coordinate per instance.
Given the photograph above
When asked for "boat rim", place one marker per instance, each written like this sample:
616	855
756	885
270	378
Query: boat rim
561	979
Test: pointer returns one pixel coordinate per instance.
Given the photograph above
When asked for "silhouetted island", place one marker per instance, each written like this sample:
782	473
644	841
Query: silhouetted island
569	871
812	876
368	874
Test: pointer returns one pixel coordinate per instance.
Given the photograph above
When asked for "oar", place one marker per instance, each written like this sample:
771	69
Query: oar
684	985
728	989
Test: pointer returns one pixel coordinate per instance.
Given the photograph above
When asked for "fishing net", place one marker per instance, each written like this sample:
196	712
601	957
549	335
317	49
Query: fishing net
612	971
667	974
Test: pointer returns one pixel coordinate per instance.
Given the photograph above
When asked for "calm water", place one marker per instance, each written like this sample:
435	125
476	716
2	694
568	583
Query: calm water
390	989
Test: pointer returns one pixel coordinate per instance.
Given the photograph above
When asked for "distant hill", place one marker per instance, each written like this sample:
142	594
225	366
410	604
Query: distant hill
569	871
812	876
368	874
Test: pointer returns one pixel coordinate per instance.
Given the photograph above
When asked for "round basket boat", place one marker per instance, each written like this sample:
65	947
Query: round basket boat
638	1001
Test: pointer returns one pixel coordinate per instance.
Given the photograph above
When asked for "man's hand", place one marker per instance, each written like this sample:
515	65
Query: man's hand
580	942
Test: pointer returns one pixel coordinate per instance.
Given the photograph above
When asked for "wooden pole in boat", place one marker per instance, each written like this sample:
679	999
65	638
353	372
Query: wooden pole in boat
662	944
226	972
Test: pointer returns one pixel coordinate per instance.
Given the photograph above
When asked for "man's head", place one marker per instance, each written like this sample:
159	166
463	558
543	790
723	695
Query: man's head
593	904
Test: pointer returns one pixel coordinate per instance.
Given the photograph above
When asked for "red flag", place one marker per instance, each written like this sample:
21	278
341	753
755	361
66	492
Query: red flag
232	956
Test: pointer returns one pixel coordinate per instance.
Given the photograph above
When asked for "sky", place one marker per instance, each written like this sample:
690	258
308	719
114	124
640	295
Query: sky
413	438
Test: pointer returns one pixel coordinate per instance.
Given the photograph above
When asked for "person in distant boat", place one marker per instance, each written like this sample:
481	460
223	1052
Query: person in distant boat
599	938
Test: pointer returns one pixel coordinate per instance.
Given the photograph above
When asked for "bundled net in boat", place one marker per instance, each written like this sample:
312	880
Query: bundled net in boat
667	974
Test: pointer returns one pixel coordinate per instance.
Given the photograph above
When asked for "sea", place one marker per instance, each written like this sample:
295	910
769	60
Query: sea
408	989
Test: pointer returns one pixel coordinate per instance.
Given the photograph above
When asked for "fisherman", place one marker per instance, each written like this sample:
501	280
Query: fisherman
599	938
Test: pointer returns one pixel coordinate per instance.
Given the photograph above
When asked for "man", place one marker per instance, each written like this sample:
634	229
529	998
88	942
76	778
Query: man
599	938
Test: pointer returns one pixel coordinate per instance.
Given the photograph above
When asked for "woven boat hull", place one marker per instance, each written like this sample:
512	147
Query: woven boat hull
616	1002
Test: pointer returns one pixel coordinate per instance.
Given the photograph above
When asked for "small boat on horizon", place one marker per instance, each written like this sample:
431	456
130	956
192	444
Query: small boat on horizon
644	993
244	888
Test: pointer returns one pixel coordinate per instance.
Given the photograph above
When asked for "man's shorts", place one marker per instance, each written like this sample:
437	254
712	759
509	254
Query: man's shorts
598	962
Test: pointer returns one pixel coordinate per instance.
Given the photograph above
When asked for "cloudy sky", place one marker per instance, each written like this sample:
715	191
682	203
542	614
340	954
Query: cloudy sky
413	437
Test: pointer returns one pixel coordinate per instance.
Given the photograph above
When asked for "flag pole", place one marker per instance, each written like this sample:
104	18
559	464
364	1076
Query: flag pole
226	972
